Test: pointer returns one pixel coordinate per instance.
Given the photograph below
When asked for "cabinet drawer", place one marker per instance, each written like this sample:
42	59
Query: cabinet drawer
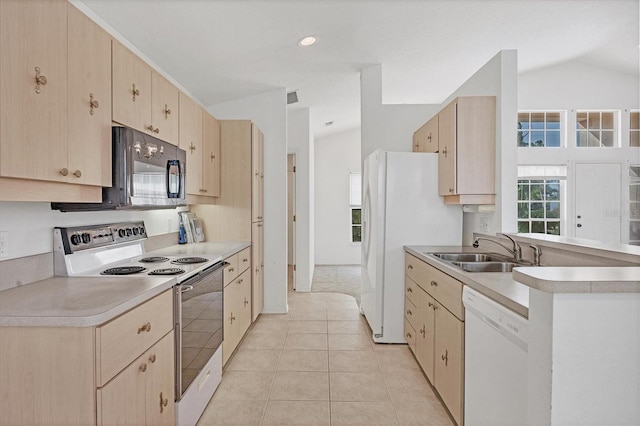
410	335
411	313
411	290
244	260
125	338
231	270
445	289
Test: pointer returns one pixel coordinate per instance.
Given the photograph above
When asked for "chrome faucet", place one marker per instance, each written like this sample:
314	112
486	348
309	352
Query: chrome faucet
516	251
537	253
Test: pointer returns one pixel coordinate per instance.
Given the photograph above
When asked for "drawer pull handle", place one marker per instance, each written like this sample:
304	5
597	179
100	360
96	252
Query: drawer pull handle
409	312
410	267
409	335
231	269
409	290
240	281
430	304
434	307
245	260
445	357
163	402
41	80
143	367
433	283
146	327
152	358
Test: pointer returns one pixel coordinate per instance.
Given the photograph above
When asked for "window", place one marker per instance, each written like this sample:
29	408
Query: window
539	205
634	205
634	129
355	196
539	129
596	129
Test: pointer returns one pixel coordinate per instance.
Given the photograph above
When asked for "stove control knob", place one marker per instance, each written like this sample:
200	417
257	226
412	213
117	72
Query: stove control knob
135	231
76	239
122	233
86	238
142	230
128	232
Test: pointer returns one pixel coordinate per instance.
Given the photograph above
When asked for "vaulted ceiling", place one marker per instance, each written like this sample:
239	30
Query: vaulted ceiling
221	50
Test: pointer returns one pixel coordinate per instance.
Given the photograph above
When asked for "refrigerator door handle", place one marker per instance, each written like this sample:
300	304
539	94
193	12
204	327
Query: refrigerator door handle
366	220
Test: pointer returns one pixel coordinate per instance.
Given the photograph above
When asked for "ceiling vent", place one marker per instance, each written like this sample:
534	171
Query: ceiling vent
292	97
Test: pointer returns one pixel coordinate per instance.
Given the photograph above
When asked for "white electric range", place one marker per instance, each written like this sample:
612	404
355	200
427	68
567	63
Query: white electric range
118	250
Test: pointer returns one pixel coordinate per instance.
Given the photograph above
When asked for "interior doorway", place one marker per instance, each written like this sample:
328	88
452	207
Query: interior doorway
291	221
598	202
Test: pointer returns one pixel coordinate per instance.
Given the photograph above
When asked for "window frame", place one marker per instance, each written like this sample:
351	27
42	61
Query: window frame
355	203
562	206
617	127
561	130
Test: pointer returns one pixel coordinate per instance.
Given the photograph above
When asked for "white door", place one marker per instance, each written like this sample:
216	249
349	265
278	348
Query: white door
598	202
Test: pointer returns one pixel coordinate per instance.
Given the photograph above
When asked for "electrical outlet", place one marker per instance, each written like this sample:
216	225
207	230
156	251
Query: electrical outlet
4	244
484	224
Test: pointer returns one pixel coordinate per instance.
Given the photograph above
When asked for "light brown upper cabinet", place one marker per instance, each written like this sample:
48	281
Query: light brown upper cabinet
257	186
142	98
425	139
55	106
210	155
191	141
89	97
467	150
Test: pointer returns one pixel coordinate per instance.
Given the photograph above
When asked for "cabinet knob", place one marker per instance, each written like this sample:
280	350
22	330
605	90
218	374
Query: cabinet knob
192	147
451	190
408	335
163	402
409	290
232	318
93	104
153	129
423	331
143	367
240	281
430	304
77	173
245	260
166	111
231	269
434	284
410	267
64	172
409	312
246	302
213	156
134	91
152	358
41	80
444	152
257	269
445	357
145	327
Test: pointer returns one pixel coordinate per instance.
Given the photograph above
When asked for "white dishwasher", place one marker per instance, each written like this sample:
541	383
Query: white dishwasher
495	363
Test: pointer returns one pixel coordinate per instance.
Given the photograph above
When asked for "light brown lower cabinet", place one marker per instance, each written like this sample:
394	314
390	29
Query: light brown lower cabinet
143	392
236	301
434	304
120	372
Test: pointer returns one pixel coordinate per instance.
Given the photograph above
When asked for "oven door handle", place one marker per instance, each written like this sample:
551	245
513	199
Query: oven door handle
185	288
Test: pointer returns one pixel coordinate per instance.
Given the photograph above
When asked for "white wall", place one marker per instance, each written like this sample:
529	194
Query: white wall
574	86
387	127
29	226
336	157
268	112
300	142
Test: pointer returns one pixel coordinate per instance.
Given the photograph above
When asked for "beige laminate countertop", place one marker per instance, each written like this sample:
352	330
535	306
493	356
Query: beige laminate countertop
586	279
498	286
90	301
76	301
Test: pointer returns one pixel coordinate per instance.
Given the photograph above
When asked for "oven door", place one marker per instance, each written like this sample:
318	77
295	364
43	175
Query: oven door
198	330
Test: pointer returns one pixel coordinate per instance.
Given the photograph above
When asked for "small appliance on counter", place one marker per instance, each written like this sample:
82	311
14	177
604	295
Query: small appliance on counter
118	250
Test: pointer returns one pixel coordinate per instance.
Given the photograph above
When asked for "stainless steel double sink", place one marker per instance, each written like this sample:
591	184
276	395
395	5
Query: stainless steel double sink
478	262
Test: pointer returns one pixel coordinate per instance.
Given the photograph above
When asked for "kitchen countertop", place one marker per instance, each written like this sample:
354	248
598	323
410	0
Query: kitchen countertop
586	279
498	286
90	301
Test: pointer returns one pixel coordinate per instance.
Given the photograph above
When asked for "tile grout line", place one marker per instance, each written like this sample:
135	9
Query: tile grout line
273	379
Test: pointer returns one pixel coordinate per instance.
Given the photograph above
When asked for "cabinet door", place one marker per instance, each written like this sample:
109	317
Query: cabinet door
211	155
33	134
122	400
425	344
164	109
191	141
257	269
131	88
447	150
425	139
230	303
257	161
89	97
160	382
449	361
244	318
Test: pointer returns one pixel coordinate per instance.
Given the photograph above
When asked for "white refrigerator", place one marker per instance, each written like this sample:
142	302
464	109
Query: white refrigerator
400	207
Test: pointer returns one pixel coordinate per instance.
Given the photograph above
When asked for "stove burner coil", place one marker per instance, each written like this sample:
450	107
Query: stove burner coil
189	260
154	259
167	271
123	270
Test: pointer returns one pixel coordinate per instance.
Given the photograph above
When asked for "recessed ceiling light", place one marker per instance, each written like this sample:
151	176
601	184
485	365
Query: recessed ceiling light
307	41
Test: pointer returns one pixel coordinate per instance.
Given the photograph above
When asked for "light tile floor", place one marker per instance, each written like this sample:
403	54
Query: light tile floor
317	365
338	279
